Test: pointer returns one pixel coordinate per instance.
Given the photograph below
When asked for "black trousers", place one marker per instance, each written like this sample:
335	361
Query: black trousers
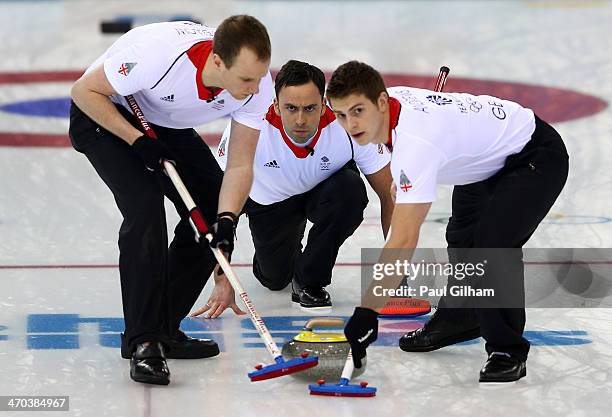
159	285
335	207
503	212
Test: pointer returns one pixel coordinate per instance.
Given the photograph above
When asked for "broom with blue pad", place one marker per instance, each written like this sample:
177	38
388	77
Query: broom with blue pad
343	388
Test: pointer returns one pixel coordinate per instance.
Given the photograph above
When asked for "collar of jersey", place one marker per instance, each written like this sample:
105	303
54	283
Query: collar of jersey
198	54
299	151
301	145
395	107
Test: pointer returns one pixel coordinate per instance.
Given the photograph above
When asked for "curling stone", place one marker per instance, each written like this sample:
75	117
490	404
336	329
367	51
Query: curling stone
331	348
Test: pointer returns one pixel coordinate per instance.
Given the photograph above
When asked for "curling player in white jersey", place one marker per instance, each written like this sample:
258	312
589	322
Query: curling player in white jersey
182	75
508	168
307	168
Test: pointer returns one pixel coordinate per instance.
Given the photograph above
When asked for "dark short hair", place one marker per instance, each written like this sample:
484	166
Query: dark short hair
299	73
355	78
240	31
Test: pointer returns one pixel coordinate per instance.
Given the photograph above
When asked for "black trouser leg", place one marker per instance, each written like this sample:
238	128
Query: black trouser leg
142	237
503	212
277	231
335	208
158	286
190	264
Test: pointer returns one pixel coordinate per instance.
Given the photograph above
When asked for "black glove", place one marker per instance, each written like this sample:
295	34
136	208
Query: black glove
152	152
361	330
224	231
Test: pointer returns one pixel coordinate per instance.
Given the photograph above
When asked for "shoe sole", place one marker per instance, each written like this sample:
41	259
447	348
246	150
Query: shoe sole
315	310
296	299
150	380
451	340
497	382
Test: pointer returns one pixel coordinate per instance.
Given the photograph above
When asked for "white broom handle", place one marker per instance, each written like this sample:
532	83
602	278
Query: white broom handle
347	371
179	185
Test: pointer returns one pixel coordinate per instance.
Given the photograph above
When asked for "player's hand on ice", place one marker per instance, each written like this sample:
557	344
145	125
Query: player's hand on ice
361	330
393	191
224	232
221	298
152	152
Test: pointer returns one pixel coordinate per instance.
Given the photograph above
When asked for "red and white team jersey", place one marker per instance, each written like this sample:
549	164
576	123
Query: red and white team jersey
161	65
451	138
283	168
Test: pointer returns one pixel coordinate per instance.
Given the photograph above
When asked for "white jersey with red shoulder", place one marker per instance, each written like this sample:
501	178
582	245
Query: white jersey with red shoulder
283	168
451	138
161	65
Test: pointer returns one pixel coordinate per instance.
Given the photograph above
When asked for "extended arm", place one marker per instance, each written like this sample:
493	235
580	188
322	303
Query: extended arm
380	182
238	176
405	228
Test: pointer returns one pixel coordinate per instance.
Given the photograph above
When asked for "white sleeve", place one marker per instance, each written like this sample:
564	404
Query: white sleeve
137	67
414	167
371	158
252	114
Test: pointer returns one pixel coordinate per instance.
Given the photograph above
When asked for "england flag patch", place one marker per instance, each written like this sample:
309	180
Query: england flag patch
405	183
126	68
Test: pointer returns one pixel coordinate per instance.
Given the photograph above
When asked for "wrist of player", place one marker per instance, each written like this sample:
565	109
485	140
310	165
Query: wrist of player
228	215
220	277
224	233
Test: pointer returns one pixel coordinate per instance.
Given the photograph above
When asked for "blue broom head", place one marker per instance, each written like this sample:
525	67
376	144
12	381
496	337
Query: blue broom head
283	367
342	389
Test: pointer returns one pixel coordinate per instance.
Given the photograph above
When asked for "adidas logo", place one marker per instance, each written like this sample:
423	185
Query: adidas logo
169	98
218	105
272	164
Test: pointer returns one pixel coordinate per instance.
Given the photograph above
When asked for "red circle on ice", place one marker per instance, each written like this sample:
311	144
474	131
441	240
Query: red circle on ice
550	103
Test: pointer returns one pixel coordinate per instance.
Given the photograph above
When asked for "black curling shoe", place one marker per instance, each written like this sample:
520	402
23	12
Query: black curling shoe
185	347
502	367
438	333
148	364
181	347
310	297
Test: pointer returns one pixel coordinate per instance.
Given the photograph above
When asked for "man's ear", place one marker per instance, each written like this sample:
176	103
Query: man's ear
217	61
383	101
323	106
276	107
